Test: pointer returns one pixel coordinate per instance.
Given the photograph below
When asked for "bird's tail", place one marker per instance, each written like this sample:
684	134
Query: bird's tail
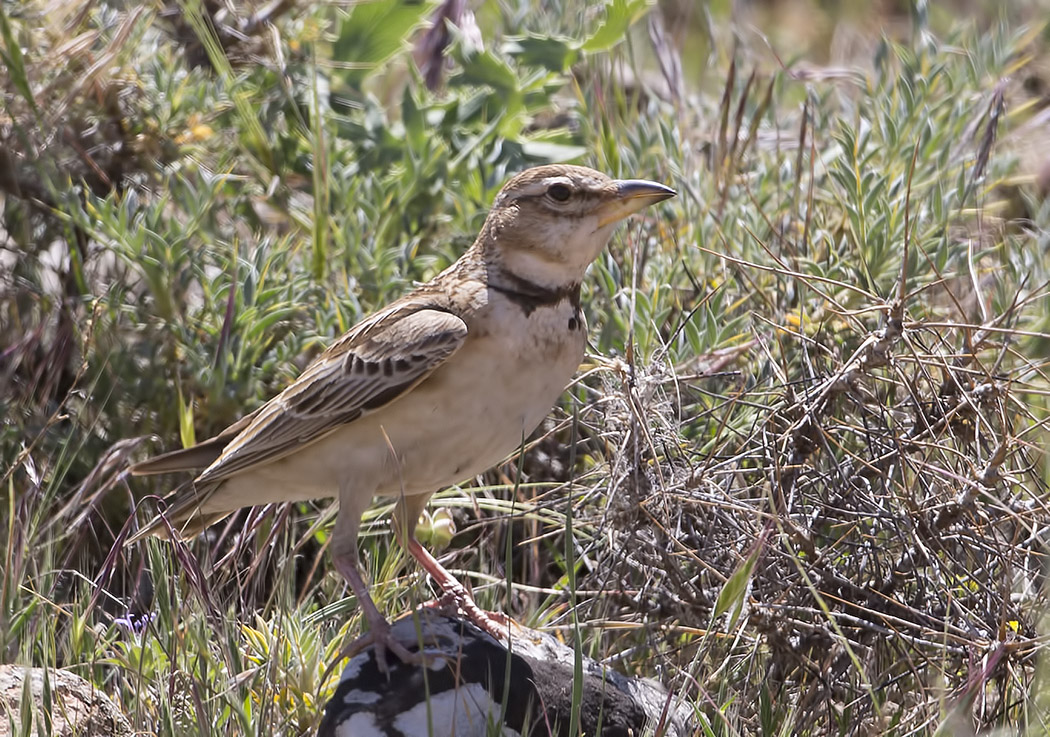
182	517
194	458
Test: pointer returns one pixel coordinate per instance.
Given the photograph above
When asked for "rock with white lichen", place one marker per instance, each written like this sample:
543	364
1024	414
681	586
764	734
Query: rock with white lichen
476	686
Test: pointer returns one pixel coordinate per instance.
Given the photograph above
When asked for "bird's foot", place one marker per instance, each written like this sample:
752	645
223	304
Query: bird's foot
455	593
453	602
380	638
379	635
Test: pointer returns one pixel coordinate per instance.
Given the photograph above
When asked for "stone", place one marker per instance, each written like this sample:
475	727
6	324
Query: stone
476	686
77	707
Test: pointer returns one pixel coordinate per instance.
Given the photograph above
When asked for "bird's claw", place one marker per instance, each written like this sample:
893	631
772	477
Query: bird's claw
381	640
454	601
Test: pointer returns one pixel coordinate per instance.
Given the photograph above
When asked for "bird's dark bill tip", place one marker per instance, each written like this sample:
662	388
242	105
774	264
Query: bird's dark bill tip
630	189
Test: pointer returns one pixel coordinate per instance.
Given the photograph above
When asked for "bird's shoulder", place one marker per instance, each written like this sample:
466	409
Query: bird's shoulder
449	300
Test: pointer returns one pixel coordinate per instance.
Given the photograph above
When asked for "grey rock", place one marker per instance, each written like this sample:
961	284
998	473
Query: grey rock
478	687
77	708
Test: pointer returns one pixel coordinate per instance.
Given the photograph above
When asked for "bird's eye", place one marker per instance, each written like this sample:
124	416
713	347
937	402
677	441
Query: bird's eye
559	192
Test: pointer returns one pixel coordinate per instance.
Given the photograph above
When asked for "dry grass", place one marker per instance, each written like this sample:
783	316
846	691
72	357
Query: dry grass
802	478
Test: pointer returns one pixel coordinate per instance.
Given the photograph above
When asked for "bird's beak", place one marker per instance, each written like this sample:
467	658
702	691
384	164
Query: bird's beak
630	196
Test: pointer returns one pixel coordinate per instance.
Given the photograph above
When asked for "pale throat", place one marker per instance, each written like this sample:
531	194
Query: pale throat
556	265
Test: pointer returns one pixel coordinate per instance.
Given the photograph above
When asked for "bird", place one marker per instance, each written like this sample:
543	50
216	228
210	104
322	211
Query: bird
435	388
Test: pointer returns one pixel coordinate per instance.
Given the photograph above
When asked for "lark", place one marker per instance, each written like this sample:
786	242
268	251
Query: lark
435	388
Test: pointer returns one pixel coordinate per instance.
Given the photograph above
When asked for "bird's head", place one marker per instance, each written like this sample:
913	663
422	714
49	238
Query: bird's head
549	223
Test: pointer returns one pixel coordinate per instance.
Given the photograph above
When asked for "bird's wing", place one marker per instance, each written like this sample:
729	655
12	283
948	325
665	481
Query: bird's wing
378	361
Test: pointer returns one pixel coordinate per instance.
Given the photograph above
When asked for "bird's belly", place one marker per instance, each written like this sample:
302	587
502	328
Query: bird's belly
474	411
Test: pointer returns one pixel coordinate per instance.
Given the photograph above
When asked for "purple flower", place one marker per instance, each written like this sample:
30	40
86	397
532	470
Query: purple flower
134	623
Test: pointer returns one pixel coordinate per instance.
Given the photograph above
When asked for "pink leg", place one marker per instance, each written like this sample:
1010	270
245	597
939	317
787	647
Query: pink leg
378	628
344	556
406	516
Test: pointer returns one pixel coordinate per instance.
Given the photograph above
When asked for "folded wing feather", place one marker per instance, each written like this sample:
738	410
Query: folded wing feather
374	364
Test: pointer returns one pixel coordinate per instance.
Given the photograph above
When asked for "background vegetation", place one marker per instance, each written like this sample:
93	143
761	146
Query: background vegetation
802	478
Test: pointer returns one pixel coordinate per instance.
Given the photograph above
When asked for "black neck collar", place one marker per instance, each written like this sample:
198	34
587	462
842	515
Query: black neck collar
529	295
